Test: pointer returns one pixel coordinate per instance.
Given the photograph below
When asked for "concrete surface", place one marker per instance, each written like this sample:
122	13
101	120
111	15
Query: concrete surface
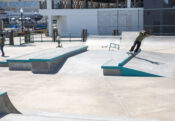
80	87
97	42
61	117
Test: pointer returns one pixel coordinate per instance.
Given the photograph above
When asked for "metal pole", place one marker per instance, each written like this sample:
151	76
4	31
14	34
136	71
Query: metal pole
41	38
70	37
128	3
21	11
117	18
161	21
20	39
117	3
138	19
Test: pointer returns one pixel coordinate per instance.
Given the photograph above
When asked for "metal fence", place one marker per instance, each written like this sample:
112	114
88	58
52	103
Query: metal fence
160	21
42	37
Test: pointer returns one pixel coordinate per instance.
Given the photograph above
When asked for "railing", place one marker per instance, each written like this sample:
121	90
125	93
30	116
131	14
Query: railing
161	21
71	37
20	39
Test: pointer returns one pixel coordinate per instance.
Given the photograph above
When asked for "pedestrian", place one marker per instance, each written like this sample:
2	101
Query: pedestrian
2	43
142	35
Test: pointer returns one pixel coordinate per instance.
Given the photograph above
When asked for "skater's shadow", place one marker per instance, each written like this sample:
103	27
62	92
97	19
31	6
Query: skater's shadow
153	62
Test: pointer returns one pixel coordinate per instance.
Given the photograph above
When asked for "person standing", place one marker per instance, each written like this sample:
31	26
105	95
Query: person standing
2	43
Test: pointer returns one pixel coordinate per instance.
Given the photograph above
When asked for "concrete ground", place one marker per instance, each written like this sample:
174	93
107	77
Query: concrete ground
80	87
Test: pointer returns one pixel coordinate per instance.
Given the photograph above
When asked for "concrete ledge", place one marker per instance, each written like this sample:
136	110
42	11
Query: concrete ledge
110	68
25	66
41	67
6	106
44	61
50	64
23	62
3	64
126	60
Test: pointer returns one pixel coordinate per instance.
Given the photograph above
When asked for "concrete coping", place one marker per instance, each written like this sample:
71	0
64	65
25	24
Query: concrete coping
126	60
3	62
110	64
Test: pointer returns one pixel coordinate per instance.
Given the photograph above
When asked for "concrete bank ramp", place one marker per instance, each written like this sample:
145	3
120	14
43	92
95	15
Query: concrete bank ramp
6	106
64	117
97	41
147	64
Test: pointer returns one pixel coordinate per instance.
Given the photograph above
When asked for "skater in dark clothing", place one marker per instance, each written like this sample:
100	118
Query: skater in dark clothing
2	42
143	34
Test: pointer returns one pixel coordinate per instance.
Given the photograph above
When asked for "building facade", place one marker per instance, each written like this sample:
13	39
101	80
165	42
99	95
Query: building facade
159	16
14	5
97	16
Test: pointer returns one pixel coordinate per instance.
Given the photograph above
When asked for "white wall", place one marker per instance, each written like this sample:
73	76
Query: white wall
62	24
120	19
77	23
97	21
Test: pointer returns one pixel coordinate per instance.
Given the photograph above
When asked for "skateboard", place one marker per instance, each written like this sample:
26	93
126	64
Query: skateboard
134	53
131	53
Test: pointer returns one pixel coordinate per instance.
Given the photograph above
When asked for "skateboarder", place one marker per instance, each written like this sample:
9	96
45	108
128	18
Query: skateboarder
142	35
2	42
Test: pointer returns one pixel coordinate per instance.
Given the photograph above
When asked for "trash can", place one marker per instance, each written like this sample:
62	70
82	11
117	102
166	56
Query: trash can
115	32
55	34
11	37
84	34
27	36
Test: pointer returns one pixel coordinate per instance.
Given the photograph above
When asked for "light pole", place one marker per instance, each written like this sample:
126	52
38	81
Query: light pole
22	28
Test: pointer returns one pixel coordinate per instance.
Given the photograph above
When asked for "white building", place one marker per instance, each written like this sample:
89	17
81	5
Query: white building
97	17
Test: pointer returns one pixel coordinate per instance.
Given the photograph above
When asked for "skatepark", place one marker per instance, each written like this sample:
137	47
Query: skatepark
89	81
